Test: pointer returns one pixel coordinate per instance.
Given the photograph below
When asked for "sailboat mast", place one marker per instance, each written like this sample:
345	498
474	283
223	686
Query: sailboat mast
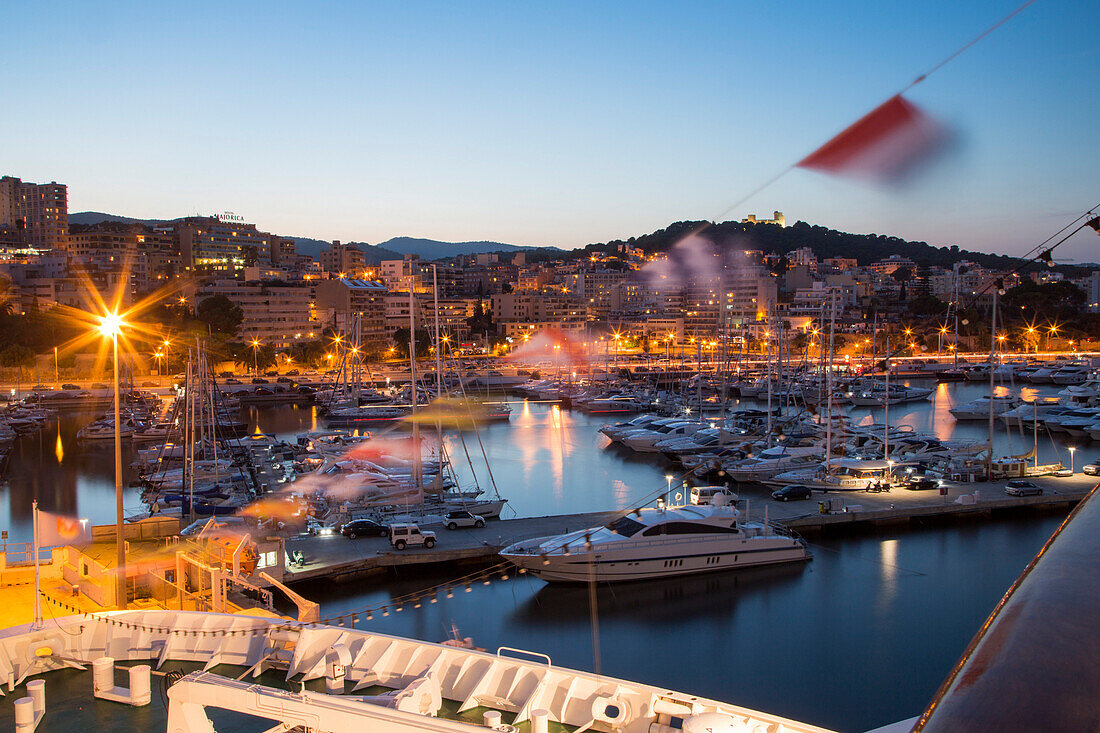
992	368
829	385
768	373
418	483
955	304
886	407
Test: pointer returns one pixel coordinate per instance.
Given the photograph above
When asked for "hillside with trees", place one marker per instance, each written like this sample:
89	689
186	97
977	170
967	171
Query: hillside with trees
825	243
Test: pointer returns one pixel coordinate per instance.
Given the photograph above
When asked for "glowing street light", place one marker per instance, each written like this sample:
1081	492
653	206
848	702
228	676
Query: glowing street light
110	326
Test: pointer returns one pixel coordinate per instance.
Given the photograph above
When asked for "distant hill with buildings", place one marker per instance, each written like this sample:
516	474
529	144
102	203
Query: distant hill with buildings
396	248
825	243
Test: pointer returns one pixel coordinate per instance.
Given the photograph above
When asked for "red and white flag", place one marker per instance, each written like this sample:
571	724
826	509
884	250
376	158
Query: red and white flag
55	530
885	145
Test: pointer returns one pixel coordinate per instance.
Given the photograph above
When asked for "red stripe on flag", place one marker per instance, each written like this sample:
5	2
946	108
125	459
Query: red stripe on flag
883	143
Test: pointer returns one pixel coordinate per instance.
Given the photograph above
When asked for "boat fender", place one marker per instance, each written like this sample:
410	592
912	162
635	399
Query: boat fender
715	723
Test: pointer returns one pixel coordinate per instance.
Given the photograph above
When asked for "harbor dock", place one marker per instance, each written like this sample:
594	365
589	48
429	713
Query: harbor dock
336	558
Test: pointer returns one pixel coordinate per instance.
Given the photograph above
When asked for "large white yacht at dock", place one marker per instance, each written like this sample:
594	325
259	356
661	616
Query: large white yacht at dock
656	543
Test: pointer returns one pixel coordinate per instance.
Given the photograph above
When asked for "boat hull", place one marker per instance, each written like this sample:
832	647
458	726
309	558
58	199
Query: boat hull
609	566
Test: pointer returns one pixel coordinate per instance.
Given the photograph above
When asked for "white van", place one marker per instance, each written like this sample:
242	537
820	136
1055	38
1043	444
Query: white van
705	495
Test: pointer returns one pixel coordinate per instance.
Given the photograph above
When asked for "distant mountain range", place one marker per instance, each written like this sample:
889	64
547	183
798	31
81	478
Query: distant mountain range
393	249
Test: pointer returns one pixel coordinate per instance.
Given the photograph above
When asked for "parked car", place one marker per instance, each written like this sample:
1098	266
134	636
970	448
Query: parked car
69	385
100	385
920	483
271	374
232	381
364	528
259	380
1062	473
792	493
403	535
226	374
40	388
284	380
463	518
306	390
149	384
1091	469
293	373
1022	488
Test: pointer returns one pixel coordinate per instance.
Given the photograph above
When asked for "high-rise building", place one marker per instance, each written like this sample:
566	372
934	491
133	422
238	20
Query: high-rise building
345	260
35	214
220	244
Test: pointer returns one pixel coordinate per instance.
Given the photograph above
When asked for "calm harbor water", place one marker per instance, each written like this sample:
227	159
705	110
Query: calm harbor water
857	638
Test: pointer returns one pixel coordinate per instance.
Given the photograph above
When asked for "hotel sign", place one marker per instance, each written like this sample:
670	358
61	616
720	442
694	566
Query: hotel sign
228	217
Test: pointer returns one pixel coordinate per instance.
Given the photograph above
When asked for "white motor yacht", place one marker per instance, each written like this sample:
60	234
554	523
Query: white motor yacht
657	543
896	394
618	431
770	461
839	474
979	409
1071	374
645	441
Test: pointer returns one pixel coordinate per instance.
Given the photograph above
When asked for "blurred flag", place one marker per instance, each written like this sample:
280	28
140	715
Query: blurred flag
55	530
885	145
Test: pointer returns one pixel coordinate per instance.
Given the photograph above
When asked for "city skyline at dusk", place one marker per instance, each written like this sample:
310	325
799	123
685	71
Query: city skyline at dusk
559	126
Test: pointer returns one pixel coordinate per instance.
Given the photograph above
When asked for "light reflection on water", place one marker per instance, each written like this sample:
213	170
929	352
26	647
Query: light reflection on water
545	460
857	638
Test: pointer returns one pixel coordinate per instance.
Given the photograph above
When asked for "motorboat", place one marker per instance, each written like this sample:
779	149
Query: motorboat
879	394
645	441
657	543
708	440
1071	374
614	404
773	460
618	430
979	409
839	474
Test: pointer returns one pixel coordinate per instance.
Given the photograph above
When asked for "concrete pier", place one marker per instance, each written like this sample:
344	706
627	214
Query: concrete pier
334	557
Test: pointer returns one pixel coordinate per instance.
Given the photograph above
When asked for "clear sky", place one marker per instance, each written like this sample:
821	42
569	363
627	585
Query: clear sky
553	123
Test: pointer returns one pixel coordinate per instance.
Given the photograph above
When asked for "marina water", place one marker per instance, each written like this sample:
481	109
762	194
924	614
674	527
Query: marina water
857	638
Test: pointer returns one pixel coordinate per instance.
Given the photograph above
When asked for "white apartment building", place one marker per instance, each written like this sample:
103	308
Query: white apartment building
275	315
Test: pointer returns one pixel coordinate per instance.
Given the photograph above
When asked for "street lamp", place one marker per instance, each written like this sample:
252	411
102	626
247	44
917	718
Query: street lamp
1072	450
255	358
668	478
110	326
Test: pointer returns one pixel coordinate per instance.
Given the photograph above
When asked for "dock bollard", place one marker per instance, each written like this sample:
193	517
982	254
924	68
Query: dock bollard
103	683
140	687
103	675
24	715
491	718
540	721
37	690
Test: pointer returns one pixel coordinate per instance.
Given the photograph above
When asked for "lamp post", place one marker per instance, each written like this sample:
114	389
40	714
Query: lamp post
55	377
255	358
110	325
1072	450
668	494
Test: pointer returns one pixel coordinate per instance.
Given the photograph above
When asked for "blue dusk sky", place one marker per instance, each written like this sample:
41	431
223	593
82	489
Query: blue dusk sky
555	123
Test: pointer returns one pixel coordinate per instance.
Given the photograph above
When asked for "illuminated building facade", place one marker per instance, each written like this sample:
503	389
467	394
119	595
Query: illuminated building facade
35	215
